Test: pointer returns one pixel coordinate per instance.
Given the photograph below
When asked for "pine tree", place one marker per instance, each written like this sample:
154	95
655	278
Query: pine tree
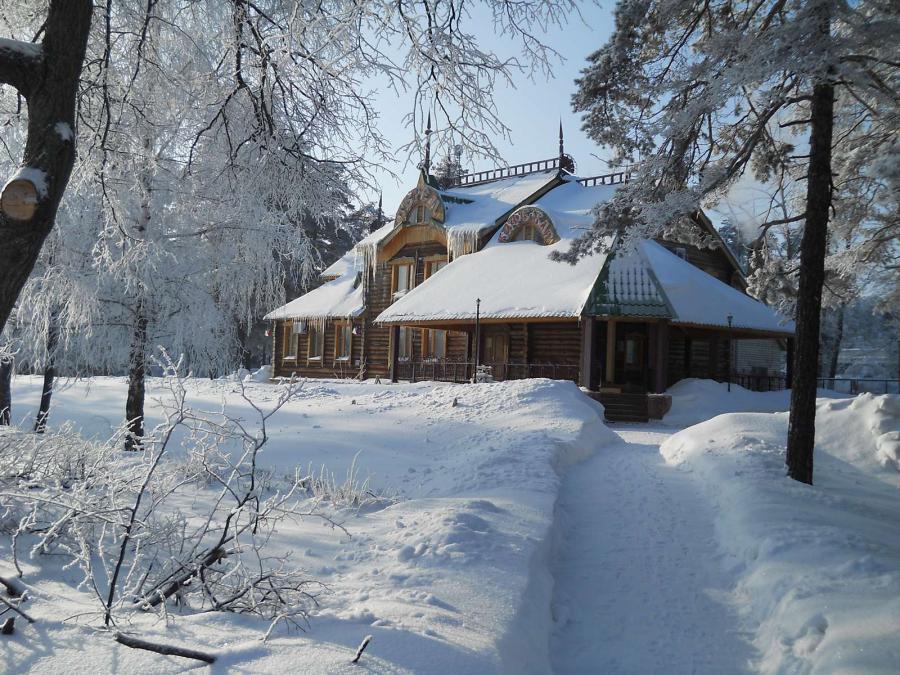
702	94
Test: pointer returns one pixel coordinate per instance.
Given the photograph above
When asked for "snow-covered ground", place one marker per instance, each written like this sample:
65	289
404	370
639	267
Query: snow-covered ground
662	550
641	587
816	569
452	577
695	401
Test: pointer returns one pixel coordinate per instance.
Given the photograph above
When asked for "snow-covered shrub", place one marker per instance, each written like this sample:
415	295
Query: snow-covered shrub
130	522
353	493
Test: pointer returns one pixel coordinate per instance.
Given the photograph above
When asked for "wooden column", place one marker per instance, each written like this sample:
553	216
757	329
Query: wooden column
662	356
610	351
395	352
586	377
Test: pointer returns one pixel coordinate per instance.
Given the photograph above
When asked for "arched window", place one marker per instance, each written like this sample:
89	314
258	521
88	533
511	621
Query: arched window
529	232
420	206
529	223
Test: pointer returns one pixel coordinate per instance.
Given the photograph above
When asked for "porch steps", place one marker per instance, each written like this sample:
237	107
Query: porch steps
623	407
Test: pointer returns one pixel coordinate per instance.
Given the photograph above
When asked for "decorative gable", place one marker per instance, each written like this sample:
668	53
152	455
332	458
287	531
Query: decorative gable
421	205
529	217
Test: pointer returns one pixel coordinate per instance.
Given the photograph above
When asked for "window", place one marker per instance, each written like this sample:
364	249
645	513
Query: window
434	343
420	213
434	266
405	348
529	232
288	341
403	279
634	350
315	343
343	343
681	252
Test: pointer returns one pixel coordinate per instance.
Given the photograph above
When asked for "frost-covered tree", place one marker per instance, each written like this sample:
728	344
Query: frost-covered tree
703	93
209	130
45	75
291	78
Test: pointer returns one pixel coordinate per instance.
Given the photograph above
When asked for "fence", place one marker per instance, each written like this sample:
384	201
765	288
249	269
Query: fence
848	385
462	371
505	172
844	385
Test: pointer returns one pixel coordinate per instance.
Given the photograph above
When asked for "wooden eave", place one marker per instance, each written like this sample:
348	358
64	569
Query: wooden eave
461	324
736	330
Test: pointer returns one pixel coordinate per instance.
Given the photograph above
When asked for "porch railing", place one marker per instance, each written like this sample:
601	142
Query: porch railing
462	371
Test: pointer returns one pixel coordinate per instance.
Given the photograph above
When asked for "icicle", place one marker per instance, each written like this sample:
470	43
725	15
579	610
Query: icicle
366	260
461	242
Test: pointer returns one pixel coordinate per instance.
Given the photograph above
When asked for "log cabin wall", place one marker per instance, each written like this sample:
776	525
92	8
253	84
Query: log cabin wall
678	356
558	343
379	297
712	261
378	337
697	353
329	366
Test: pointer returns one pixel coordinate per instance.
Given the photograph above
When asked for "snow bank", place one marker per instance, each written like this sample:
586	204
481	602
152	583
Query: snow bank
818	567
263	374
451	576
695	401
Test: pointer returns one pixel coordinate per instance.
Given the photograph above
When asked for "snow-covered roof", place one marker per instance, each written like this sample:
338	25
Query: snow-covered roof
515	279
340	266
696	297
487	202
341	297
348	261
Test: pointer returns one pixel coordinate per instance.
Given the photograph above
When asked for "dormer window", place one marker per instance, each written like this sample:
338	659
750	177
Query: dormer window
529	232
529	223
421	206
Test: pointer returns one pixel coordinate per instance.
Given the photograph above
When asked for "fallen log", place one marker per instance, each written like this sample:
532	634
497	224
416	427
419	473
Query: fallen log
166	650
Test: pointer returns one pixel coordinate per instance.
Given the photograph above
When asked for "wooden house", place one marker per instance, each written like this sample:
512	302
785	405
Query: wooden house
462	276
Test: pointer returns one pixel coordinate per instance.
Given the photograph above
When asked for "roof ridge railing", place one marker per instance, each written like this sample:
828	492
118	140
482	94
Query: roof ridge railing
478	177
614	178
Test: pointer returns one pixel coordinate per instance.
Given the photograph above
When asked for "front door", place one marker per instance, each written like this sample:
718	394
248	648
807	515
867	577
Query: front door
495	351
631	356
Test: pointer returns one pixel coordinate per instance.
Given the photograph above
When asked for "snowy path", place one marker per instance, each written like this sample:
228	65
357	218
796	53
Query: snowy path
638	572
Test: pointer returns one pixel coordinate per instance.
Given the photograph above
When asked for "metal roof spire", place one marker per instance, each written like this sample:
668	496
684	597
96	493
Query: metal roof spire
426	165
562	152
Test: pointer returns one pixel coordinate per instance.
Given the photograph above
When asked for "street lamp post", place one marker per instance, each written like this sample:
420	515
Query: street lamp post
477	335
730	318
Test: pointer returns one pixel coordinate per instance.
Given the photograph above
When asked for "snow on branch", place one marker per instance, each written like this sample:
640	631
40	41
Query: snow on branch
118	518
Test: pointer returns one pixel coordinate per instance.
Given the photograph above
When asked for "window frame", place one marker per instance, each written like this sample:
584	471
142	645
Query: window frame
289	342
434	265
430	340
405	337
313	330
343	337
410	266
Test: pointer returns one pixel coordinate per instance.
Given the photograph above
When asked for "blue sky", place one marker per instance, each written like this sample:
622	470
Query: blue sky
532	109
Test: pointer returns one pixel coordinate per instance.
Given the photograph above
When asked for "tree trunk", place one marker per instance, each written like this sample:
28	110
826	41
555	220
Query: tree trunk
48	80
802	423
40	424
137	360
836	343
6	368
